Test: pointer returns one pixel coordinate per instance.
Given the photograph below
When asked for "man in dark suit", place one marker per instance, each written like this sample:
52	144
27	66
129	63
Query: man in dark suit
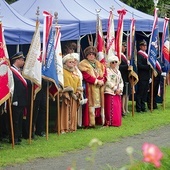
144	75
19	98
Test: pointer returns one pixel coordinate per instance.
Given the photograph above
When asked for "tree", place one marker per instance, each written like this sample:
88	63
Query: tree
147	6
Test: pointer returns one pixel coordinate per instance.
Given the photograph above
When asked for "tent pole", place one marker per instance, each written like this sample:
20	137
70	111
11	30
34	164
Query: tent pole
17	48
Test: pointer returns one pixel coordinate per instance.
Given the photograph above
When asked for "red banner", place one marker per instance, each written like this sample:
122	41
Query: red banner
4	81
100	41
119	34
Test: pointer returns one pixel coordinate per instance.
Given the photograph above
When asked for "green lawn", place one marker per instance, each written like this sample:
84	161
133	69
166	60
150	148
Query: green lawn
58	145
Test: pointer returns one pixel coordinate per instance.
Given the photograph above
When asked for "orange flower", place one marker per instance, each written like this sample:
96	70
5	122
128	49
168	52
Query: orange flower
152	154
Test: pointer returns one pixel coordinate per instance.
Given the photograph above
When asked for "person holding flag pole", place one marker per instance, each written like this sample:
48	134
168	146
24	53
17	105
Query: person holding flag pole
153	53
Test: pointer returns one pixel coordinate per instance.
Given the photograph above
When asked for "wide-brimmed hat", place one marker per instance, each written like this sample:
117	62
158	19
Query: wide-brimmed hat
89	50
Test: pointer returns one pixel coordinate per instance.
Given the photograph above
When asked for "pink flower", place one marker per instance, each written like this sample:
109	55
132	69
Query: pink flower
152	154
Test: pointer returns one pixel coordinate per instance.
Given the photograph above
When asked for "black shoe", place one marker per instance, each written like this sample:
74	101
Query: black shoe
123	114
139	111
19	140
16	142
42	134
144	110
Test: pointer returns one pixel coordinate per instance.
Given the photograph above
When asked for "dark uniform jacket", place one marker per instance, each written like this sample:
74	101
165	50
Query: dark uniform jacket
20	90
144	70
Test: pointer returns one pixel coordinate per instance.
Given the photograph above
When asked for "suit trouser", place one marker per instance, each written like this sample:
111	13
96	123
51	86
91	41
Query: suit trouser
17	116
141	95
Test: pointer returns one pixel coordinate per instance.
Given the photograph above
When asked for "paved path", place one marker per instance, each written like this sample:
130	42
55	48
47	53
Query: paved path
113	154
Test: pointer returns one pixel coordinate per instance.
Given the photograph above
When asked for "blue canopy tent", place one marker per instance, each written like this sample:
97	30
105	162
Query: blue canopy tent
19	29
83	13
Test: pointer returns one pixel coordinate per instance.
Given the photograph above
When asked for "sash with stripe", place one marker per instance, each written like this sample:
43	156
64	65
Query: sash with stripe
123	57
143	53
18	74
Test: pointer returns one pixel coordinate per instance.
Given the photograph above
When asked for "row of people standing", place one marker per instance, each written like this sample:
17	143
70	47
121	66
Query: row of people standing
107	89
103	87
106	92
143	93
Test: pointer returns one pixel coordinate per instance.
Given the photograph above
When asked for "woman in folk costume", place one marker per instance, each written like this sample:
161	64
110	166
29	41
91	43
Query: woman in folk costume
82	101
113	91
94	76
70	96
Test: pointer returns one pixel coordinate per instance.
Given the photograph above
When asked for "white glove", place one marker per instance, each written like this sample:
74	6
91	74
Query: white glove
163	74
150	80
128	62
115	87
15	103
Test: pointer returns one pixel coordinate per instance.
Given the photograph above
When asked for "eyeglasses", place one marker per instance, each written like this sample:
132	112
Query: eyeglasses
91	54
114	62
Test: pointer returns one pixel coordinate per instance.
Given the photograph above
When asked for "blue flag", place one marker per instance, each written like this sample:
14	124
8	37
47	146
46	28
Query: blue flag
165	47
153	45
49	68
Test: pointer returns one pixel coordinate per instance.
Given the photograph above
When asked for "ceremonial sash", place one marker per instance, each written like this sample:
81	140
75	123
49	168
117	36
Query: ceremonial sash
158	66
144	54
123	57
18	74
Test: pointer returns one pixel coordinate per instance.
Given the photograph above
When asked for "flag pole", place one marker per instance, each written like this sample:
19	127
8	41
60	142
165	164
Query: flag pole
58	94
131	53
151	95
31	112
164	92
47	111
11	122
32	90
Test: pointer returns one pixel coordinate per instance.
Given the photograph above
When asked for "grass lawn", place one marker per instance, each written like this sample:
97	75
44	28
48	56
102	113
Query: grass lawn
58	145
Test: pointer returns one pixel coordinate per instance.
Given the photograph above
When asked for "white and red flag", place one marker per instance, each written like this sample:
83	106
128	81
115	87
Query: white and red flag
58	56
110	36
33	65
4	69
49	65
48	21
165	48
119	34
131	39
100	41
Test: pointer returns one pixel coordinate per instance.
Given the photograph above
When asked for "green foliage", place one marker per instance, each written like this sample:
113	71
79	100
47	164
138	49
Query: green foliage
10	1
147	6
